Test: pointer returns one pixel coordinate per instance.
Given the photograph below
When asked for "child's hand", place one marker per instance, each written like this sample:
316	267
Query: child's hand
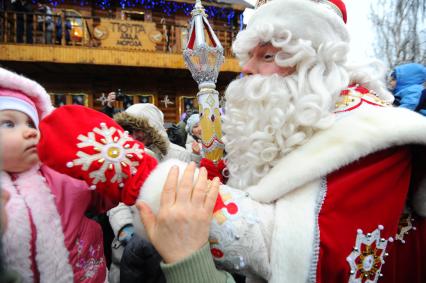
196	148
182	224
126	234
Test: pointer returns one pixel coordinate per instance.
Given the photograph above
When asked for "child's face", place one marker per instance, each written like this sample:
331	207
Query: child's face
392	84
142	137
18	141
196	130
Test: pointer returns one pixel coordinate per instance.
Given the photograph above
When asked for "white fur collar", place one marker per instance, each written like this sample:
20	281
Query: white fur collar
354	135
18	228
31	194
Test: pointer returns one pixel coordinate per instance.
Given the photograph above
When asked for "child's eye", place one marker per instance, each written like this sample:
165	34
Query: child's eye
30	124
7	124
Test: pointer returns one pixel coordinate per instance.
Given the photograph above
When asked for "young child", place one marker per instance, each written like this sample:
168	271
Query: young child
407	83
48	238
193	145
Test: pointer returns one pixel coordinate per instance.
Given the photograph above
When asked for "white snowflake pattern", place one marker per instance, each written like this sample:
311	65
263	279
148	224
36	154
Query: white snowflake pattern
113	152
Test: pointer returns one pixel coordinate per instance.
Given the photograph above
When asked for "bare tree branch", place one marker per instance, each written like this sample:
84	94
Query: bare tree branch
400	30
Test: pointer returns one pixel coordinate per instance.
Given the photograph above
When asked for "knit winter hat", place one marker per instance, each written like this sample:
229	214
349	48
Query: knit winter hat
319	21
150	112
22	94
191	122
88	145
16	100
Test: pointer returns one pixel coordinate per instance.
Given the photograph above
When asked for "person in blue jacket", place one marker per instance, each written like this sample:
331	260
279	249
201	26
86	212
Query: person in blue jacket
407	83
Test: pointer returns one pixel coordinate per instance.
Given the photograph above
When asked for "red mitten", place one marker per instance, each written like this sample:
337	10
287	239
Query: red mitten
214	170
88	145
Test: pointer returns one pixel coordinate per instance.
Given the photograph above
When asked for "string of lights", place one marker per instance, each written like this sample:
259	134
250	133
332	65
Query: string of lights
167	7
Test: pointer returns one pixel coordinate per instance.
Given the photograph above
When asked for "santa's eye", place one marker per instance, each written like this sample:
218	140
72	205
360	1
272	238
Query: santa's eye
269	57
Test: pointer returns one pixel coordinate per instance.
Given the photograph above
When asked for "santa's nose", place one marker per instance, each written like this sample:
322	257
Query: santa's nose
249	68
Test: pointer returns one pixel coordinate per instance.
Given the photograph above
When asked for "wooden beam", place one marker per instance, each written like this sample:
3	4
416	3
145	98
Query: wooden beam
100	56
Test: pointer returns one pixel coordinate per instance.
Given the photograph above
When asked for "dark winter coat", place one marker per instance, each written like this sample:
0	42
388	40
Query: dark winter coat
140	263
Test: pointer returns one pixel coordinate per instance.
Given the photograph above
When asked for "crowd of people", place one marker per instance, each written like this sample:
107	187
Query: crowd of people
325	178
37	23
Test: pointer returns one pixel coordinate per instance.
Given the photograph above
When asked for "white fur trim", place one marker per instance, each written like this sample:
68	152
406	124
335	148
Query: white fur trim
305	19
17	253
29	87
51	254
353	136
292	240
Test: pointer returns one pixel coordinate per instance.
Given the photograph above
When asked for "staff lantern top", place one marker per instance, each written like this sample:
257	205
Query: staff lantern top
203	56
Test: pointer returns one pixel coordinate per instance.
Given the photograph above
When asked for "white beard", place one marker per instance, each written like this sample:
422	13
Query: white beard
266	117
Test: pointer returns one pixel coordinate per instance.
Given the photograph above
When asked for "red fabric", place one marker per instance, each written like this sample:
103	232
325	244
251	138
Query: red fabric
407	262
214	170
61	134
342	8
131	191
363	195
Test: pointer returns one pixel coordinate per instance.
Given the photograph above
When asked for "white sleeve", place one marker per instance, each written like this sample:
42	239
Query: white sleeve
241	233
241	229
119	216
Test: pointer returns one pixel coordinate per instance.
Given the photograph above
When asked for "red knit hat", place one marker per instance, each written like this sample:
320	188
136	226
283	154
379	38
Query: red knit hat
88	145
337	5
320	21
341	8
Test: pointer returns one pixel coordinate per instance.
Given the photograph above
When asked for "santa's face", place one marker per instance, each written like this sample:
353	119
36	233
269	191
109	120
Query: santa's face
262	62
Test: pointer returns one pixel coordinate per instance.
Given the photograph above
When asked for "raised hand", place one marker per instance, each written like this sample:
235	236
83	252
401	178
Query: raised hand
182	224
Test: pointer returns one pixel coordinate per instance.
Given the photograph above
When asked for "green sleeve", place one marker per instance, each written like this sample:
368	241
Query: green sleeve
8	276
197	268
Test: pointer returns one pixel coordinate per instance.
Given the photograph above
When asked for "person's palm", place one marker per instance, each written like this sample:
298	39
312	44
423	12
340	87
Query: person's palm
182	224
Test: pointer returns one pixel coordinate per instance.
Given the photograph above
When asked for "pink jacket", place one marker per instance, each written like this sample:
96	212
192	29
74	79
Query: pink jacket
49	238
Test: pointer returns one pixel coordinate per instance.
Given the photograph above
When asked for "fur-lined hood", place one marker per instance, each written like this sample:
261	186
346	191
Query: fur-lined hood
160	144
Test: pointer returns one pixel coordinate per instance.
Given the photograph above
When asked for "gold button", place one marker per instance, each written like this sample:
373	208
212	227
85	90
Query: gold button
113	152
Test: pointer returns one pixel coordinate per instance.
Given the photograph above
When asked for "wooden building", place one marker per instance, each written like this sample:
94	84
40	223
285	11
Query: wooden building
81	50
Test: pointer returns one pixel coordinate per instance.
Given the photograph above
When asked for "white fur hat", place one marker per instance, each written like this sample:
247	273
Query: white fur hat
151	113
319	21
34	91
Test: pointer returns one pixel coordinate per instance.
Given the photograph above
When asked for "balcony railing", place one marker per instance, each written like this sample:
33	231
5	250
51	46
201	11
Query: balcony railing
68	28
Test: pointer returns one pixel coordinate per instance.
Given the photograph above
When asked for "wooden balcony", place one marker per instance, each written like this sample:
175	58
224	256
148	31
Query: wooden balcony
72	39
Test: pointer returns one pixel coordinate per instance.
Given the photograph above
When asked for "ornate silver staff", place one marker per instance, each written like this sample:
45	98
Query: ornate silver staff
203	55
